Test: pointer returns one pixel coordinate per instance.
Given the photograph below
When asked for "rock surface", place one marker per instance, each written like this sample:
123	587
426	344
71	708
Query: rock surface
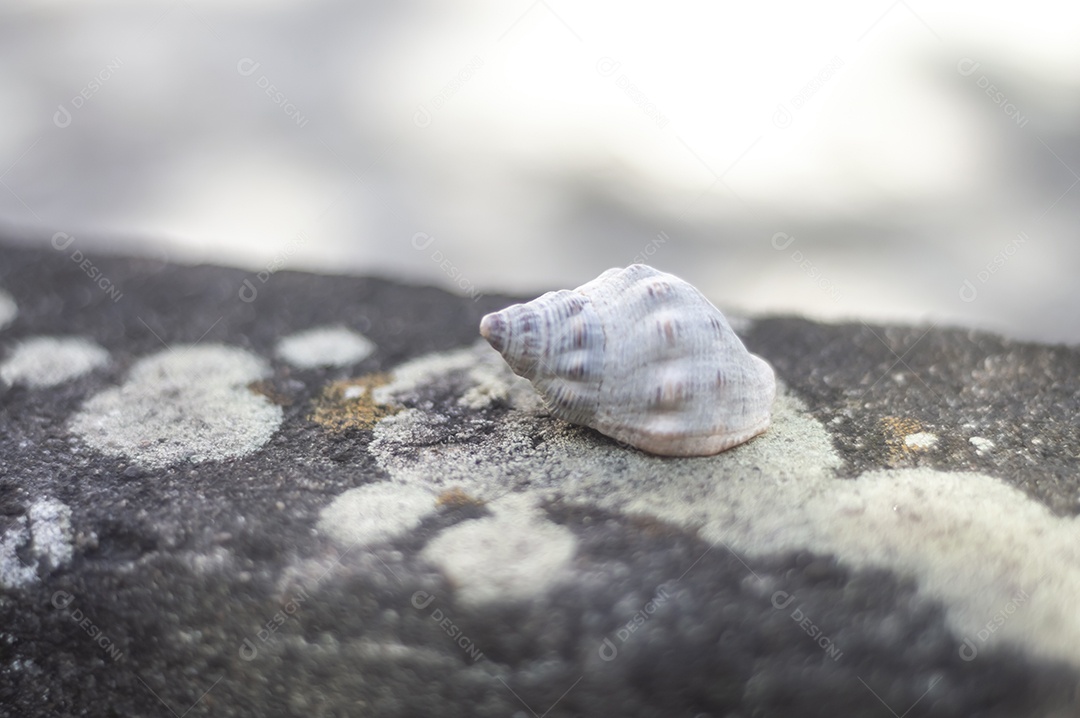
230	494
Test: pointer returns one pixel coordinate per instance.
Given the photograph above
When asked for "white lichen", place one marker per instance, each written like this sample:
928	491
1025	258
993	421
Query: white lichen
325	346
920	441
514	555
982	446
42	362
46	531
186	403
375	512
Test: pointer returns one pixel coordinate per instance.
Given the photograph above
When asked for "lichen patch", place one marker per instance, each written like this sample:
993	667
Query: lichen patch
455	497
44	534
41	362
185	403
351	404
894	432
921	441
325	346
513	555
375	512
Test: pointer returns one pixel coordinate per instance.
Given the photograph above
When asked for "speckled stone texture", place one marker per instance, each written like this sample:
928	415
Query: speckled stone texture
293	494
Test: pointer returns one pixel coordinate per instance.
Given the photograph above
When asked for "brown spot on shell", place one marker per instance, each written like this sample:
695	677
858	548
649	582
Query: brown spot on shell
670	394
574	306
659	289
670	335
579	336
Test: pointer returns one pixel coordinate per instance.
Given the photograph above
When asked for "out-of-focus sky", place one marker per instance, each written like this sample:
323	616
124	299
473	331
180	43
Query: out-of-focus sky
875	160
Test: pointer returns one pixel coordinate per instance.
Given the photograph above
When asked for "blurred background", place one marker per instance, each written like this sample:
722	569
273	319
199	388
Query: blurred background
872	160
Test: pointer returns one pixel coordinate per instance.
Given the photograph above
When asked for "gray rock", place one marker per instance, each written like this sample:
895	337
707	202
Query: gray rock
391	524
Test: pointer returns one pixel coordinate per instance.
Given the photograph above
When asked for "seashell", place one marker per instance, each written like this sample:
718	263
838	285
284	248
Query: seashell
641	356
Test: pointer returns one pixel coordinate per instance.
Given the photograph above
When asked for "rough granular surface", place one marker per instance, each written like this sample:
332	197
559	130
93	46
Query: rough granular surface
330	499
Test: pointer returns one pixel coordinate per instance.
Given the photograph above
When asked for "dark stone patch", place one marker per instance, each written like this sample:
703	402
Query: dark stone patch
956	384
381	630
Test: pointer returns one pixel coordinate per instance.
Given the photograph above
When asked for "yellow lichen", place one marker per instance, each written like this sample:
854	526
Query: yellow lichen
349	404
457	498
895	430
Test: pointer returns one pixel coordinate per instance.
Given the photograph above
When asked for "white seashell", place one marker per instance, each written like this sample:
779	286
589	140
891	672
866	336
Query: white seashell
641	356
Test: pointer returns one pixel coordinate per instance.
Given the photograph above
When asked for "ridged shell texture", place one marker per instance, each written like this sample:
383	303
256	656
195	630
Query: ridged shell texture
641	356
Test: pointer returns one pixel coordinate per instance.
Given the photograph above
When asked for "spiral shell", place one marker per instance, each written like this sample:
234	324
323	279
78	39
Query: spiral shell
641	356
